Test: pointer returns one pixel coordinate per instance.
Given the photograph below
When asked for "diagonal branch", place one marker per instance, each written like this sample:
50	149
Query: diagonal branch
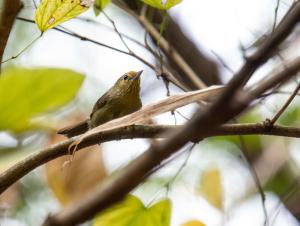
262	54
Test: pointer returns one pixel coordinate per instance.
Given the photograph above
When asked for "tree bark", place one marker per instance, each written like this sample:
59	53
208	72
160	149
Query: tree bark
10	10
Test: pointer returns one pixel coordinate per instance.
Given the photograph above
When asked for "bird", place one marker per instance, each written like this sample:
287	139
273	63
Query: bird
120	100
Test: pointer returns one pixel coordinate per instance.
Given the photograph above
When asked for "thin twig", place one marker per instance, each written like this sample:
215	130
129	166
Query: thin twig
167	185
160	58
83	38
117	31
166	82
145	46
286	104
178	112
165	46
126	36
148	46
275	15
22	51
277	92
205	68
34	3
224	64
172	53
170	182
255	177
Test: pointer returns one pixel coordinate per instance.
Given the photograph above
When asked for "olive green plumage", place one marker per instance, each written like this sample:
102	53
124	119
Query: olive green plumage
122	99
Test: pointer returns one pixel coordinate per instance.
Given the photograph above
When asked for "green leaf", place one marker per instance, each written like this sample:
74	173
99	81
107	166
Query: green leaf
163	5
132	212
281	182
253	142
99	5
290	116
53	12
26	93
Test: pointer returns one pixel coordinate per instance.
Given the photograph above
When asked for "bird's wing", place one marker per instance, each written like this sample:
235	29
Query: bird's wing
100	102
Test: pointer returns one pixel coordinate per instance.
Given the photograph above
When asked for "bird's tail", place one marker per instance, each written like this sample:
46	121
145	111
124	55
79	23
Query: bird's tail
74	130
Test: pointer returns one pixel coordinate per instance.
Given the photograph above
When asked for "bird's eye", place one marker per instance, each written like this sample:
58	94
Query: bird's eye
125	77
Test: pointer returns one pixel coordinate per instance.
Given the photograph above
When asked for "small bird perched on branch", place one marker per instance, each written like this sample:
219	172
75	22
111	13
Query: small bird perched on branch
120	100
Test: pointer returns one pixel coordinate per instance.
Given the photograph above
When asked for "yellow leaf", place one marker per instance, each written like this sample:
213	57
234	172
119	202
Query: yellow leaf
211	187
132	212
53	12
72	181
193	223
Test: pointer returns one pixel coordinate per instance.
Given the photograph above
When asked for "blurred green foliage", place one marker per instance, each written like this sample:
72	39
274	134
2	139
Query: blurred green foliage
99	5
132	212
161	4
252	142
290	116
281	182
27	93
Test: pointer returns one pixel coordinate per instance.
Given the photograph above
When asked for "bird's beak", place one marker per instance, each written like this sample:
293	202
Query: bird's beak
138	74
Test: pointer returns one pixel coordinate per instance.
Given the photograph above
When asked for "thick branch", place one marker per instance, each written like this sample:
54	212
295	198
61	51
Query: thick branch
137	131
10	10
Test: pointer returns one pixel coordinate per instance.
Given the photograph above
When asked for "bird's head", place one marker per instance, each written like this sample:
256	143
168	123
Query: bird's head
129	82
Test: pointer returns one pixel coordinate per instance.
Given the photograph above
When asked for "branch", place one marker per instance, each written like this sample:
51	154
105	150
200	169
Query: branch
202	125
229	105
262	54
129	132
10	11
39	158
